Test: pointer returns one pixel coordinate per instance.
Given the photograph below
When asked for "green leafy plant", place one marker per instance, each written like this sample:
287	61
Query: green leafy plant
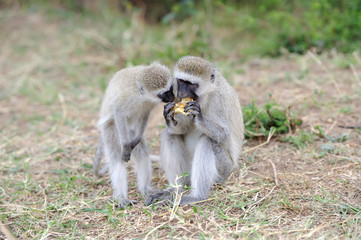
261	121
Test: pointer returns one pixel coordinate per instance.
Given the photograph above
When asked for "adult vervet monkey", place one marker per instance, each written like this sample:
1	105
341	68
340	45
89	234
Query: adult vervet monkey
205	140
131	95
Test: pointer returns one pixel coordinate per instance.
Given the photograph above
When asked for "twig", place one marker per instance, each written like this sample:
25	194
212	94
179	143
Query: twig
163	214
309	235
251	190
262	144
262	199
6	231
259	175
332	126
355	160
154	229
256	196
344	166
177	199
205	200
274	172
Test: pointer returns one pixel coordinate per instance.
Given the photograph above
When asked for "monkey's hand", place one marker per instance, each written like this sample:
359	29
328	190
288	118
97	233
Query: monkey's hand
168	113
193	109
128	148
127	151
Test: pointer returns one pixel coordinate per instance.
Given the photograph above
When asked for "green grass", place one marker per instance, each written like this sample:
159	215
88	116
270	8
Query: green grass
55	65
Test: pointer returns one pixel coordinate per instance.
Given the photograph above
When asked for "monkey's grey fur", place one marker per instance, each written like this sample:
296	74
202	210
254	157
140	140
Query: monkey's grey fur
207	143
131	95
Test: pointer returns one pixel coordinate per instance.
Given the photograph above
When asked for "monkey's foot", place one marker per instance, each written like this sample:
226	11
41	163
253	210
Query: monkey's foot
167	198
103	171
125	202
159	197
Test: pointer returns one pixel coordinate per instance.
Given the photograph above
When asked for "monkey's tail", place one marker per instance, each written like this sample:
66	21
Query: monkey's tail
98	157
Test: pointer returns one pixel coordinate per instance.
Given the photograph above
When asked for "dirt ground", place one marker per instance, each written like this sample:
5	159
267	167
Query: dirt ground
49	102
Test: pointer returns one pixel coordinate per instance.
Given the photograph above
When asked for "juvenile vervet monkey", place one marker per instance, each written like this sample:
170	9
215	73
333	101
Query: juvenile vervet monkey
131	95
206	139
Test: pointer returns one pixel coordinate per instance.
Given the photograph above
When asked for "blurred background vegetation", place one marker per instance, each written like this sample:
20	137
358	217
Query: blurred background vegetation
213	28
79	44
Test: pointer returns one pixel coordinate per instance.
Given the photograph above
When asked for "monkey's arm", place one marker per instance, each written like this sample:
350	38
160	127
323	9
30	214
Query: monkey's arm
213	129
214	126
134	141
128	143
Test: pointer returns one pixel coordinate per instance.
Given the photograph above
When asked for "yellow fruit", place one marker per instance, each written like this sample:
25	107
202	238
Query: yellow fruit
179	106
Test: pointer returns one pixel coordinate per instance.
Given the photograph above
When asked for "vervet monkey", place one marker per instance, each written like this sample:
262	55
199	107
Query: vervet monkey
206	141
131	95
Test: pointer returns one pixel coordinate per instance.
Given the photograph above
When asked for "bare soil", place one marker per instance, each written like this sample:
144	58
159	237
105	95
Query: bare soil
49	105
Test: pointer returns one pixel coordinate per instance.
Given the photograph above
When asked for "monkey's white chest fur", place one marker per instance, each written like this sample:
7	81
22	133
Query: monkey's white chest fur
191	140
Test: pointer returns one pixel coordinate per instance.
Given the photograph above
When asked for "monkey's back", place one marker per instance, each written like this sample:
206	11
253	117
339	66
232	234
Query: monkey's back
120	92
233	114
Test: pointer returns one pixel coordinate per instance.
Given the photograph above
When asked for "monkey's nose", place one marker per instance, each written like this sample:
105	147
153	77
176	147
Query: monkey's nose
182	95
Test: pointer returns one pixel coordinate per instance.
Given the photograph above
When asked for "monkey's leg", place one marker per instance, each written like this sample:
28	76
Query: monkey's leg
126	138
174	158
204	171
175	163
225	165
118	172
143	167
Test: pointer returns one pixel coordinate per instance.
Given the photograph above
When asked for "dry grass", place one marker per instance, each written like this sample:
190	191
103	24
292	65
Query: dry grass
53	73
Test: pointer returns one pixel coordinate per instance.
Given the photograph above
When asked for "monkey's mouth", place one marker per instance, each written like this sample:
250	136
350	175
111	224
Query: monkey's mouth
179	106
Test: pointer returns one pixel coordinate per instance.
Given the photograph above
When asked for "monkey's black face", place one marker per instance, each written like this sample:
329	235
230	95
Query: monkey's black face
167	96
187	89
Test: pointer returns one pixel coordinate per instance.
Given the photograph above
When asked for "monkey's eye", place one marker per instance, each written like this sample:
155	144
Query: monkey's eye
181	81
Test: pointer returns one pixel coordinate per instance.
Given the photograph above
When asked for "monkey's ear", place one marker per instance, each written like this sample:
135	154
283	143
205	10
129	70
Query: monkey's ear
140	84
213	78
141	90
